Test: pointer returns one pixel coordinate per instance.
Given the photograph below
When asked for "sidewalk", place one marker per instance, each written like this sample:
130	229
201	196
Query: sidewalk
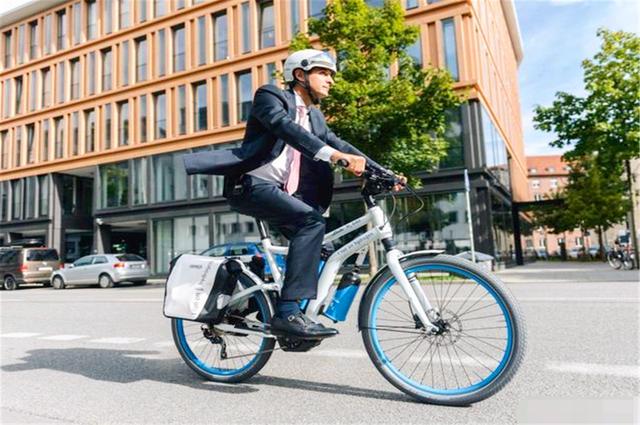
567	272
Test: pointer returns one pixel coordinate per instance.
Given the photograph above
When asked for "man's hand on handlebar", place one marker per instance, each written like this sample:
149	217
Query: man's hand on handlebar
355	163
402	182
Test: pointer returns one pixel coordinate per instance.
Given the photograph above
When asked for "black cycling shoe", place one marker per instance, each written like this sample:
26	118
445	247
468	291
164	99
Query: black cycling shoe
301	326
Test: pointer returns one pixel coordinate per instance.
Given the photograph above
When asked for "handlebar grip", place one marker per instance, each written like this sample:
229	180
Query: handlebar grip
342	163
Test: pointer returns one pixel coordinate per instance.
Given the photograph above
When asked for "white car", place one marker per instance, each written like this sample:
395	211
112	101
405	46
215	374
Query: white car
102	269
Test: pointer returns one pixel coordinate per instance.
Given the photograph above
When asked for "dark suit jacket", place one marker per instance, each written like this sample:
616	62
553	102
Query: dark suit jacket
270	126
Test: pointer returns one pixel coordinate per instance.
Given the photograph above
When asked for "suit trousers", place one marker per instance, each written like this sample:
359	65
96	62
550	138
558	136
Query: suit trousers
301	224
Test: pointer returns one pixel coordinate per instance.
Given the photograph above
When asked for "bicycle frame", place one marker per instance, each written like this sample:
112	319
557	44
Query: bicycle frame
380	230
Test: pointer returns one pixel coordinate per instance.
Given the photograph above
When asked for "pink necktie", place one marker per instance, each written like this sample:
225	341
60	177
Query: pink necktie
294	171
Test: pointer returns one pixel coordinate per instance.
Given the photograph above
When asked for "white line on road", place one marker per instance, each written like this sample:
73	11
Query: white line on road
63	337
19	335
625	371
164	344
116	340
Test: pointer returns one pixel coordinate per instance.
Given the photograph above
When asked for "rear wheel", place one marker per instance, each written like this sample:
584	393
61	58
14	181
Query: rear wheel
105	281
225	356
58	283
614	260
10	283
477	349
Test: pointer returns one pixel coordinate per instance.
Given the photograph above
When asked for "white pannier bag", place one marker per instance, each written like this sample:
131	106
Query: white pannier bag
199	287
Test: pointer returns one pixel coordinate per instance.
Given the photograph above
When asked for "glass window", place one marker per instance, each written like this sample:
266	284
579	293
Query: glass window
8	48
20	52
90	130
415	52
33	90
295	18
107	70
114	182
455	140
124	6
123	123
270	69
450	50
47	34
31	152
180	4
6	99
43	188
18	83
60	87
163	244
124	63
141	59
267	25
91	73
75	133
16	189
200	182
224	99
46	87
30	197
159	8
170	178
107	126
220	37
18	146
75	78
76	23
143	118
61	17
142	10
92	19
107	15
59	139
182	110
244	95
316	8
246	28
139	180
412	4
4	150
201	40
495	151
160	115
200	106
178	48
161	52
33	40
44	154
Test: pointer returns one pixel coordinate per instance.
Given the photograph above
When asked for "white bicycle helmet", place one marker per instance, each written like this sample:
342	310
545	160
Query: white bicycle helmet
306	60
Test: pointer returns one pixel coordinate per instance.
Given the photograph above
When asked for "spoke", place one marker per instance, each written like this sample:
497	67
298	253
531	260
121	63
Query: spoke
466	299
444	379
453	296
477	361
396	315
396	329
401	345
403	350
482	351
412	353
423	356
452	368
484	342
427	369
447	293
395	339
472	305
402	313
455	350
484	317
477	309
488	327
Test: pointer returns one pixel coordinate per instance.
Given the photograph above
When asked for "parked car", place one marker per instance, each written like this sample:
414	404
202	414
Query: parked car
246	251
104	270
25	265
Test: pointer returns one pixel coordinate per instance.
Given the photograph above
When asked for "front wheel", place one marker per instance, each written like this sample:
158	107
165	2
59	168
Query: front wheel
228	356
479	345
614	260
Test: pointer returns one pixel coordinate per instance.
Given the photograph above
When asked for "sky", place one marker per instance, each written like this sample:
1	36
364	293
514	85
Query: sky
556	36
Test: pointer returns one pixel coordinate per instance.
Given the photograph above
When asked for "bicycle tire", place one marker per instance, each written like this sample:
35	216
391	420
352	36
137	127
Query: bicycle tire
193	347
431	269
614	260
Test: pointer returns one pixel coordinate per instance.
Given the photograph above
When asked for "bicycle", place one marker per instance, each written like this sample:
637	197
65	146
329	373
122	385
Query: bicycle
437	327
621	258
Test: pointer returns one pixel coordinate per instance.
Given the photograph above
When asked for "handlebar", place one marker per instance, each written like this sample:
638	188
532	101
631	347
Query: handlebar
376	175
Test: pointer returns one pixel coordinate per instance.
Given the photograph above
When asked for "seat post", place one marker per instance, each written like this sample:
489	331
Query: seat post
262	229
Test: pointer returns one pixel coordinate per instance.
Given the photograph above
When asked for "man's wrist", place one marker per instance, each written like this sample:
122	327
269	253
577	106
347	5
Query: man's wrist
325	153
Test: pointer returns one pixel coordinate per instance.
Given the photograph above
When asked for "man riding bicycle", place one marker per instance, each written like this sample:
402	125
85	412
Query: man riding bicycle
281	174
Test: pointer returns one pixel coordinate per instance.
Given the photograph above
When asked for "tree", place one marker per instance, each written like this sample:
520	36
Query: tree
399	121
604	125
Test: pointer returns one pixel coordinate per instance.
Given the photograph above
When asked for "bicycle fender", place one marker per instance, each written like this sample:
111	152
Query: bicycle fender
362	314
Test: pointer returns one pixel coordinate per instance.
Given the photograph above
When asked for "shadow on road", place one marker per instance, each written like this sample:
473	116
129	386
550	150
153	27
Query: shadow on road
120	366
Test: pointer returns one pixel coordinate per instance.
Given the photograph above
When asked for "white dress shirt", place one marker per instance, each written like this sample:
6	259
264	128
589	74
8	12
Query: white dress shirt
277	171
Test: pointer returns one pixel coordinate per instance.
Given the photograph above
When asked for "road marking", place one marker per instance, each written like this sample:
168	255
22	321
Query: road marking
164	344
116	340
624	371
19	335
63	337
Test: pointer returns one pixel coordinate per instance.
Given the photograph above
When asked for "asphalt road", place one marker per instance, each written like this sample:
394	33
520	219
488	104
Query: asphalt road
99	356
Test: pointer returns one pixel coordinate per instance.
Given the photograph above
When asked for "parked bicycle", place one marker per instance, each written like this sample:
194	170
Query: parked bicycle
437	327
621	258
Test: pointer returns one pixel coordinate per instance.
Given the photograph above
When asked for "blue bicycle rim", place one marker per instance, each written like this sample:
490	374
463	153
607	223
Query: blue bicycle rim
457	391
214	370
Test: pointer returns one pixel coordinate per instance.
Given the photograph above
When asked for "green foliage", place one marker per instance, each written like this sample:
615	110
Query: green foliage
606	120
400	121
